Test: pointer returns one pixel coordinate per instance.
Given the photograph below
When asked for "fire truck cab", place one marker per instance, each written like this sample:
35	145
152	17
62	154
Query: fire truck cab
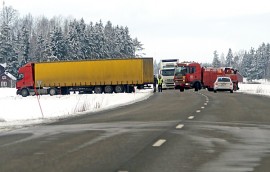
188	75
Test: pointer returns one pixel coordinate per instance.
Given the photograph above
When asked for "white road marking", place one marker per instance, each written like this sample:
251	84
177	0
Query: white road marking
159	143
202	107
198	111
191	117
205	104
180	126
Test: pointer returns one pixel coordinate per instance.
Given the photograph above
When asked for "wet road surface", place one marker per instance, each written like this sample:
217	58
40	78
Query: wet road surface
171	131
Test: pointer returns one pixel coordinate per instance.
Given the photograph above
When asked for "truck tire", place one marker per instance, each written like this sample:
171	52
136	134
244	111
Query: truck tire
25	92
182	89
98	90
196	86
53	91
108	89
129	89
119	89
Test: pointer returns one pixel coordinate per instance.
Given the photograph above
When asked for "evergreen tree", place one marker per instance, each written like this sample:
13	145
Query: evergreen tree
57	45
109	33
73	41
246	65
91	41
83	41
6	49
229	59
222	60
138	46
129	50
99	40
253	71
7	52
263	60
25	45
216	62
267	69
41	47
13	65
118	42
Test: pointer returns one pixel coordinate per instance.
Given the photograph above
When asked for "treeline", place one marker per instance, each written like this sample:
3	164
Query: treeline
252	64
25	39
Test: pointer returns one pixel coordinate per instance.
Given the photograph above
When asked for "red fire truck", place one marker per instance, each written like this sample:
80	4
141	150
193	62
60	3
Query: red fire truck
190	75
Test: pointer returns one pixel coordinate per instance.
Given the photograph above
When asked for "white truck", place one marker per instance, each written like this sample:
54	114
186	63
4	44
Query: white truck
166	70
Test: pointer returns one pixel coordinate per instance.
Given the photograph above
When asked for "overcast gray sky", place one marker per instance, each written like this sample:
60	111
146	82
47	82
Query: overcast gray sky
184	29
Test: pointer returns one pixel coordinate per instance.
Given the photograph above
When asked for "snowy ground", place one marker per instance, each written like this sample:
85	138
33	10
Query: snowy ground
260	87
16	111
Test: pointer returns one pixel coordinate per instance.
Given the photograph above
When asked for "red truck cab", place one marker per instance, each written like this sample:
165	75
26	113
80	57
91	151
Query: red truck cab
25	79
188	75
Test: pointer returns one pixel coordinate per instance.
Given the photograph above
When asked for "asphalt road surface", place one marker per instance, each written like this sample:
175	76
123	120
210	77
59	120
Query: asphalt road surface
169	132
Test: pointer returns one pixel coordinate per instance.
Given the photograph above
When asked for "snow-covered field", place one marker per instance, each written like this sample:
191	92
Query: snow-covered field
261	88
16	111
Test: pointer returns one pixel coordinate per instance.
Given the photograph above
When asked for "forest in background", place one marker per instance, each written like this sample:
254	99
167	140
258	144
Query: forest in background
28	39
252	64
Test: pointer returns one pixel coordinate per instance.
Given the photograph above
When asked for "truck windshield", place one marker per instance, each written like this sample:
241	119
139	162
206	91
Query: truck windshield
167	72
181	71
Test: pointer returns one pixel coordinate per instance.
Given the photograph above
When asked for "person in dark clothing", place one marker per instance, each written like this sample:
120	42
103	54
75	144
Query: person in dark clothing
155	84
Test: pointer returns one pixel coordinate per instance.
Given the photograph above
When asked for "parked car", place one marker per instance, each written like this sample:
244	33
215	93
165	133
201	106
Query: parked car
223	84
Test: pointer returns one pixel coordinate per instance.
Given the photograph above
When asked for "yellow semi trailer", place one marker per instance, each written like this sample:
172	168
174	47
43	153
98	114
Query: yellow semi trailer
98	76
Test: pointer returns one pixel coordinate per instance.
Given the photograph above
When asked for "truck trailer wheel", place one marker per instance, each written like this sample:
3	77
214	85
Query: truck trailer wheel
53	91
25	92
98	90
119	89
108	89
